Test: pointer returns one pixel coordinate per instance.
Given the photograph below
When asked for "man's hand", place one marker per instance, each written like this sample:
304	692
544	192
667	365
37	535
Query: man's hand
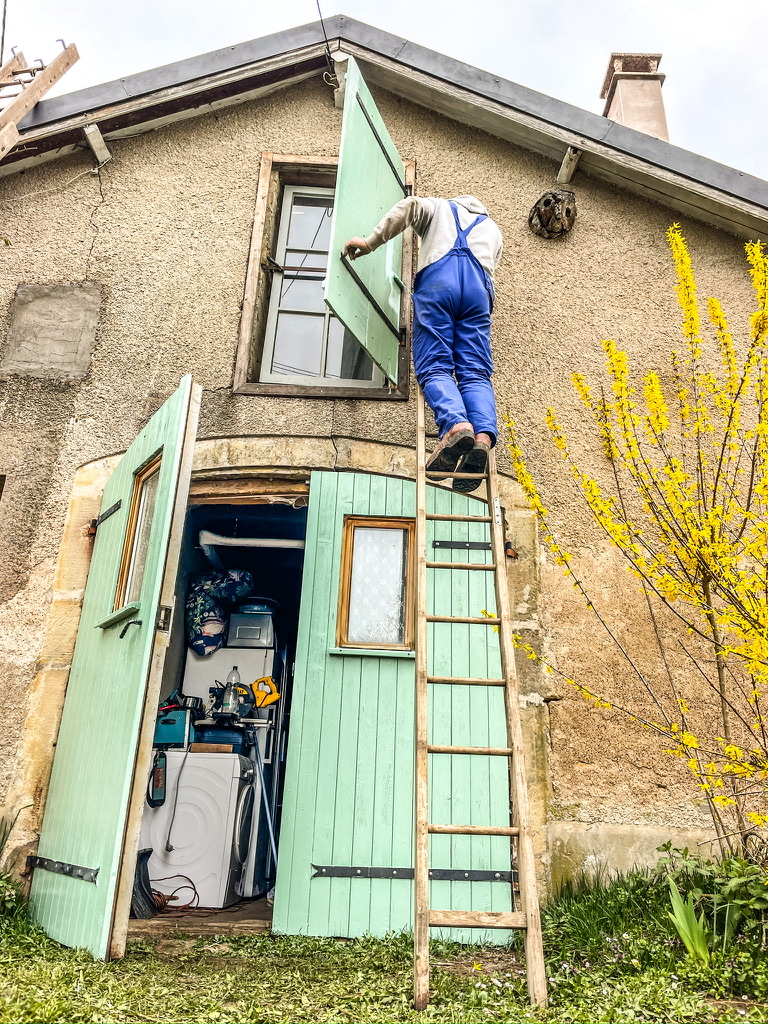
356	247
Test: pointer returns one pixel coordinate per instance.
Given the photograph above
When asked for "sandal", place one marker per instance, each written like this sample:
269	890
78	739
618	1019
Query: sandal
475	461
449	452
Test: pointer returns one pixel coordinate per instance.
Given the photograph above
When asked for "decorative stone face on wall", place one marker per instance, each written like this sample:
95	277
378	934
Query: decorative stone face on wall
52	330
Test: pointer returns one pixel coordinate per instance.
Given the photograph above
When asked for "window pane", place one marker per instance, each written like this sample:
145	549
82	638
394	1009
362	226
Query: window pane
346	359
141	538
305	260
310	226
303	292
377	586
298	344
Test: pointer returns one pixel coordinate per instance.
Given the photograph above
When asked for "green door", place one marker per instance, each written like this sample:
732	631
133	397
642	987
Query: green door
78	862
366	295
348	803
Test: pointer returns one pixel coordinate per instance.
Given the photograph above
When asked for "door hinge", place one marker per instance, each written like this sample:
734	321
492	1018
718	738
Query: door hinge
60	867
96	523
437	874
462	545
163	621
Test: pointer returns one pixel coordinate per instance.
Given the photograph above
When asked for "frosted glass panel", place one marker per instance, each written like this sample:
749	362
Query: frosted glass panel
377	586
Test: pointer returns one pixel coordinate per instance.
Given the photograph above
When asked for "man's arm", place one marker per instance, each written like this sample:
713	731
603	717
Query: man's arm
410	211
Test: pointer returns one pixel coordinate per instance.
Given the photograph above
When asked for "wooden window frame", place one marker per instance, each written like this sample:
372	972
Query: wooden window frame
345	586
277	170
140	477
269	342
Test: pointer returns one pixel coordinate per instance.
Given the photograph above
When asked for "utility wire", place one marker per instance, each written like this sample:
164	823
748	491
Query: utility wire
328	58
2	31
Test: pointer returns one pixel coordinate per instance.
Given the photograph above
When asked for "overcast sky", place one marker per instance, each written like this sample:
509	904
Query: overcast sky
713	50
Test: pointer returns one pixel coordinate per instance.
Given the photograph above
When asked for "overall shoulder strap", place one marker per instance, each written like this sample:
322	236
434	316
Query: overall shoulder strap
463	232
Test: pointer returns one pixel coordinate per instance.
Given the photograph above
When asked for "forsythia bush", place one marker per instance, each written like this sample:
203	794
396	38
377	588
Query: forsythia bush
687	508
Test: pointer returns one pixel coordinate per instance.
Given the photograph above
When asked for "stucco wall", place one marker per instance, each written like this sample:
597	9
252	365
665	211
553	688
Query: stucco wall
164	229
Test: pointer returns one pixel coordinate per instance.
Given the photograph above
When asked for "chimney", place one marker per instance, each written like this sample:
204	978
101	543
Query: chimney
632	93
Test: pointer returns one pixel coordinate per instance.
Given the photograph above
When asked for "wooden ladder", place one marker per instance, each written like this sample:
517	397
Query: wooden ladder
22	85
526	917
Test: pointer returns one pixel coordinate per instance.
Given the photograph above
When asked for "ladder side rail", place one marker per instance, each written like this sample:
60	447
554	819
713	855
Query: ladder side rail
421	781
21	105
534	951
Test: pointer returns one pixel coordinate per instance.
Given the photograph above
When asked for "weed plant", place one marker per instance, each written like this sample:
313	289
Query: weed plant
613	955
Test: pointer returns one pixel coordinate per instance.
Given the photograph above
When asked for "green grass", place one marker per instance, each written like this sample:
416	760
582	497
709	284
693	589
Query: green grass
611	956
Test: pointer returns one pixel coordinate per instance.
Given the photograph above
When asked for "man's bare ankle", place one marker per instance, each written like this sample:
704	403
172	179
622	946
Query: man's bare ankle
483	439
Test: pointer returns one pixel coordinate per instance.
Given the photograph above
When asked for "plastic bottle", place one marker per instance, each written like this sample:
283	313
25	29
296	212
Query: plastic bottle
230	703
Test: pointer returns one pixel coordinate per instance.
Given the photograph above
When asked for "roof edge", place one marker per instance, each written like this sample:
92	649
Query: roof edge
340	28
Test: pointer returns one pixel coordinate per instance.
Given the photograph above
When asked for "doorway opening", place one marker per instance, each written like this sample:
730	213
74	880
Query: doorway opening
211	824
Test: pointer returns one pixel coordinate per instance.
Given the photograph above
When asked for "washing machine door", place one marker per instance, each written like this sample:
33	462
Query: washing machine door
243	824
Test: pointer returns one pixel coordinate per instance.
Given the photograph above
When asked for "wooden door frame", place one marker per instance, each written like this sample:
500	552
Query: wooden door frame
205	489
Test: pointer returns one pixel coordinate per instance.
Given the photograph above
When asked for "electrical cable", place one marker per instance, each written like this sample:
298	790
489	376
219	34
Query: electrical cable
163	899
56	188
168	847
329	60
2	31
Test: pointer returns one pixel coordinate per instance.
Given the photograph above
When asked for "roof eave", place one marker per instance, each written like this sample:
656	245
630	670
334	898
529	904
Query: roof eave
698	187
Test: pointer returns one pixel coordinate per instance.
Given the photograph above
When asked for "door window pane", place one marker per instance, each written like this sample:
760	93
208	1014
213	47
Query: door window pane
141	541
138	532
377	586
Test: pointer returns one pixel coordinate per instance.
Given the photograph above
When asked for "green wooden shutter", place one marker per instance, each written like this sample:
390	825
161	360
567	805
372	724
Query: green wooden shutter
366	295
86	807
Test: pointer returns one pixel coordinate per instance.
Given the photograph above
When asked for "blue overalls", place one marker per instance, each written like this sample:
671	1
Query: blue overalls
452	303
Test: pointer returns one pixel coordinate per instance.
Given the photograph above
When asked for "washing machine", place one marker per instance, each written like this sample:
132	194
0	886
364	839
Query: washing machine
206	821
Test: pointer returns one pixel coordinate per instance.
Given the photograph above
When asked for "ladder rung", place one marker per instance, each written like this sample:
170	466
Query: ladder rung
469	619
458	519
466	681
458	476
484	566
500	751
476	919
473	830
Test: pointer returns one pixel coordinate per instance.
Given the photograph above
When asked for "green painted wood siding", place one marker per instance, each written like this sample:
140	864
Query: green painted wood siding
369	180
93	767
349	774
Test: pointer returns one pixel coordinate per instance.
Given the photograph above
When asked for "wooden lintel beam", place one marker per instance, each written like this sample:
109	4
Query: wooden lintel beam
569	165
21	105
95	140
10	68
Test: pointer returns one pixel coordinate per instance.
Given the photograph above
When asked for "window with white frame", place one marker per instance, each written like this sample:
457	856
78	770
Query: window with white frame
304	343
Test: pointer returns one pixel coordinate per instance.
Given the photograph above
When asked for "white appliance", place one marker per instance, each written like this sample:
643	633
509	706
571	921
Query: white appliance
202	672
207	819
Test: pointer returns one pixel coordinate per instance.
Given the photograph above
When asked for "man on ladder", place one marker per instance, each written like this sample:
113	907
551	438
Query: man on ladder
452	303
453	298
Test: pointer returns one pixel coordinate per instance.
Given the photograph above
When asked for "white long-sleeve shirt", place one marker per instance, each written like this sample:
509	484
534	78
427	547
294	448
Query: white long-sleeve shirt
432	219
